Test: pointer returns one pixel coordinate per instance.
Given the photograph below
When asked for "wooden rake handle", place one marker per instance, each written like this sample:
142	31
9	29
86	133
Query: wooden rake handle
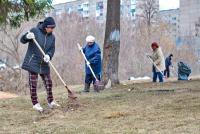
155	65
81	50
51	64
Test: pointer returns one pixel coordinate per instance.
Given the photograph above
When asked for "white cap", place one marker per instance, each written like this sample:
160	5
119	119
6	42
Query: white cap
90	38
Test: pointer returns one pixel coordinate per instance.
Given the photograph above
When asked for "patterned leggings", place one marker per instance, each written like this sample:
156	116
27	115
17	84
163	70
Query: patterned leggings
33	79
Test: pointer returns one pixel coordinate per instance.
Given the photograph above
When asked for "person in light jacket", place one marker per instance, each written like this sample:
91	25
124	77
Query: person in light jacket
158	59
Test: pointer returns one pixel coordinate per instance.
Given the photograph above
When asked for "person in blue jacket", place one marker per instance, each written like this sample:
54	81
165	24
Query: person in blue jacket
168	63
35	63
92	52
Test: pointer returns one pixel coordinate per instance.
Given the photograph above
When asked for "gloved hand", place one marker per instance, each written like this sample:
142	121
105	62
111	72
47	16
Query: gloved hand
149	56
46	58
30	35
79	47
88	63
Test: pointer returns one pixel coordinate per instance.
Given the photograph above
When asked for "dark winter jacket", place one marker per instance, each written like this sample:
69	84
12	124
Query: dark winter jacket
184	71
168	61
93	55
33	60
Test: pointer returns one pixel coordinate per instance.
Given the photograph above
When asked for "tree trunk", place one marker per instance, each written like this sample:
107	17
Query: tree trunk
111	43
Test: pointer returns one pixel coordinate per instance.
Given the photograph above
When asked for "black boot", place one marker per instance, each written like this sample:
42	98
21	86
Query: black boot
86	88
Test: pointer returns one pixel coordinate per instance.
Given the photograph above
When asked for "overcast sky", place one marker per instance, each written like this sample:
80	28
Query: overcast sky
164	4
168	4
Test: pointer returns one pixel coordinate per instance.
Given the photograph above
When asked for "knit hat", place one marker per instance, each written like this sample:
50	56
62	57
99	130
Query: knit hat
154	44
90	38
49	23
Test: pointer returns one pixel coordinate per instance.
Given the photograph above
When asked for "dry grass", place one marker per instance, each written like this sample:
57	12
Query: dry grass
116	115
145	110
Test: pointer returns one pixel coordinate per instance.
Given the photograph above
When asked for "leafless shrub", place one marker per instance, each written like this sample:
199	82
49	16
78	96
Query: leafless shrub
71	29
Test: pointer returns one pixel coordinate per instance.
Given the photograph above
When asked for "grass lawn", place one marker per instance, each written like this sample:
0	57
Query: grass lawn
146	108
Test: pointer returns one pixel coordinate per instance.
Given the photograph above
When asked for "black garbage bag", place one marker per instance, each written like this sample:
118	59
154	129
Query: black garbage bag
183	71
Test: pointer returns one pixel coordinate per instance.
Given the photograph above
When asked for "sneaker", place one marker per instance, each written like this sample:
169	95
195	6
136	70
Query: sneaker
38	107
53	104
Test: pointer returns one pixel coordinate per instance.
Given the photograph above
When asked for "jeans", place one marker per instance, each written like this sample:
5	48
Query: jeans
159	75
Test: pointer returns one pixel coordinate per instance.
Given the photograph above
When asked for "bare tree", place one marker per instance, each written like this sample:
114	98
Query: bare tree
10	47
9	44
72	29
148	15
149	10
112	43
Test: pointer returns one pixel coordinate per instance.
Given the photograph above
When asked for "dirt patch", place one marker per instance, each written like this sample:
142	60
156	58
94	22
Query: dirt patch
70	106
4	95
49	113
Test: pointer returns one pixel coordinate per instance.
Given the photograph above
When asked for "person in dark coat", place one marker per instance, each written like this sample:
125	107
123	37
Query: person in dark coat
168	63
35	63
93	55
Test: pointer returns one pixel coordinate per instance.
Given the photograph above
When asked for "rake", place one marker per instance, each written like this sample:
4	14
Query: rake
71	94
98	84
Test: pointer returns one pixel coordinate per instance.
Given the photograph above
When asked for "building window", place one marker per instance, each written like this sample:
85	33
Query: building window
79	8
174	24
58	11
132	11
85	14
133	1
199	55
197	28
173	18
85	6
122	10
99	5
99	9
69	10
